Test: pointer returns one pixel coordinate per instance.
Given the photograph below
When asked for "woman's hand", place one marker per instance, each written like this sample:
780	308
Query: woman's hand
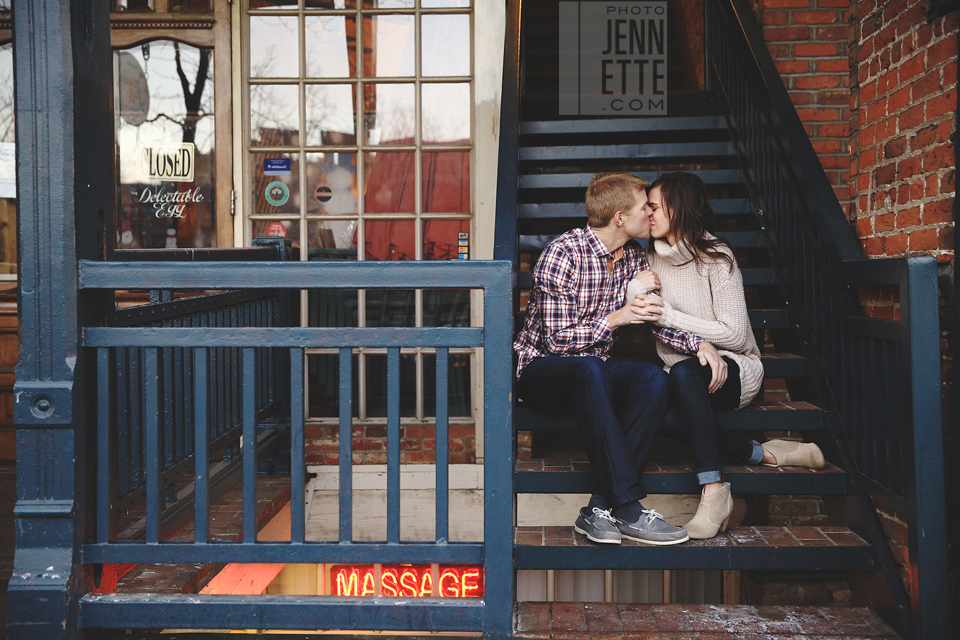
708	355
642	309
648	279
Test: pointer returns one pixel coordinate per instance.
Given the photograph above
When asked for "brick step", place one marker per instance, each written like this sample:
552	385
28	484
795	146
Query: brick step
745	548
620	621
788	416
751	278
545	475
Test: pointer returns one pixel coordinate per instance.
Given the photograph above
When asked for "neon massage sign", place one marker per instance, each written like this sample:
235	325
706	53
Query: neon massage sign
406	581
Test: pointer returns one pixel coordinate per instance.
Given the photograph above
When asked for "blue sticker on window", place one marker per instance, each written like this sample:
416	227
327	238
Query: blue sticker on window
276	167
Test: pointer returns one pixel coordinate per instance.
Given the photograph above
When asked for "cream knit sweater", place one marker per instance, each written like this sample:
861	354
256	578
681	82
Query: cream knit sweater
707	301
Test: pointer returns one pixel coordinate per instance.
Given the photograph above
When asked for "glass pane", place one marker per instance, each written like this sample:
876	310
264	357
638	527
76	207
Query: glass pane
377	385
460	388
388	4
274	115
273	4
389	182
331	183
446	45
446	182
446	113
323	393
331	44
276	183
191	6
330	4
430	4
165	146
446	240
330	114
116	5
446	307
388	114
289	229
389	240
8	164
274	47
393	36
332	240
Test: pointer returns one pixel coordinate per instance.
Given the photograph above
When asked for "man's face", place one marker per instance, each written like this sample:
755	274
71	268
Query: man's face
636	222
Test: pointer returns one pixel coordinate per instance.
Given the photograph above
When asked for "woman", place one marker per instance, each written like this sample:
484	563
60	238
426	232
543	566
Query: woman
702	293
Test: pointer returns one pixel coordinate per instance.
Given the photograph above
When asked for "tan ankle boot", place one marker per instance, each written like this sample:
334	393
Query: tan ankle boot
795	454
713	514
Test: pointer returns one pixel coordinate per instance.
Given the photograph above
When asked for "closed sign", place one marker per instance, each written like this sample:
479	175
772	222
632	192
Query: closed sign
166	162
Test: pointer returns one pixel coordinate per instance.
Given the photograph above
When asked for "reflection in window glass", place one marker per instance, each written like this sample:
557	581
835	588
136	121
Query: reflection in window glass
390	308
377	386
289	229
274	51
191	6
446	113
274	115
432	4
331	183
390	177
8	164
446	307
459	400
389	114
330	4
273	4
446	239
389	49
331	45
446	182
445	45
163	105
116	5
389	239
330	114
276	183
388	4
332	239
323	391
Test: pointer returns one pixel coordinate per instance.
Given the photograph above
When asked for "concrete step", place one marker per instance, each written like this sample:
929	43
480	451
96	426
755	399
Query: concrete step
619	621
544	475
744	548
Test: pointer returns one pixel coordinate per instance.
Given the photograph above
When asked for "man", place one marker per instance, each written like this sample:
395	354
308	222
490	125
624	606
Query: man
573	316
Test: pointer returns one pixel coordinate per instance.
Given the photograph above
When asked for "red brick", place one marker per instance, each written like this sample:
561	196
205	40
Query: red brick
780	4
367	444
815	17
833	66
908	168
818	82
898	100
944	131
888	81
916	189
885	37
947	182
938	212
835	162
818	115
792	66
840	4
945	236
895	147
873	246
926	85
941	105
826	146
908	218
887	128
938	158
933	186
774	17
822	50
923	138
911	118
896	245
778	50
924	240
865	227
834	130
944	50
799	98
892	9
884	223
885	174
781	34
912	67
833	33
461	431
868	160
868	92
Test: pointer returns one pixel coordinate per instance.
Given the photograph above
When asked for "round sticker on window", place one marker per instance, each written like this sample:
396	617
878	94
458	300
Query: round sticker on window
277	193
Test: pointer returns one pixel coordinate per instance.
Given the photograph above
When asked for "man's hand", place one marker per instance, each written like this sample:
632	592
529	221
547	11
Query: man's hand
648	279
708	356
643	308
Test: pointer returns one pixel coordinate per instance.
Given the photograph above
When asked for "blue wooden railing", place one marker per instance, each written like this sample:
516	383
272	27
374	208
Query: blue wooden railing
492	614
879	380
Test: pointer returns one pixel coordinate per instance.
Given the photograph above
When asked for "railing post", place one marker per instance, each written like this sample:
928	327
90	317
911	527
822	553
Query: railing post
928	536
498	455
65	186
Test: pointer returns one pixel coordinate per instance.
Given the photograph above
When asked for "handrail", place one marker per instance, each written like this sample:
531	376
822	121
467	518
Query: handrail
878	380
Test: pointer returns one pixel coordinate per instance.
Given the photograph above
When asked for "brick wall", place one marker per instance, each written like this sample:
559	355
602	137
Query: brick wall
418	444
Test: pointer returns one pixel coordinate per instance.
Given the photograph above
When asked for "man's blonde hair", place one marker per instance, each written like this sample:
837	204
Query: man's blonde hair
609	193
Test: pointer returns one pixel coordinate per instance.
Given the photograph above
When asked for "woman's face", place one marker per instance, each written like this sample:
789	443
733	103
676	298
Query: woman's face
659	217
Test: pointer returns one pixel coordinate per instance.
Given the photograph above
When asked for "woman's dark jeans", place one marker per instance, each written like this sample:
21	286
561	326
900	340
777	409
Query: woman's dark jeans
690	417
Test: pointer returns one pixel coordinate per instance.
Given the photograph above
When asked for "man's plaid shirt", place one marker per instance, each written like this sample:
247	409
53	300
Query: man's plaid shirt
572	294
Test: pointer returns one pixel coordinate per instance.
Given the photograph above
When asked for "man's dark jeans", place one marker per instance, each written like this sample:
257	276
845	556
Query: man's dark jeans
619	406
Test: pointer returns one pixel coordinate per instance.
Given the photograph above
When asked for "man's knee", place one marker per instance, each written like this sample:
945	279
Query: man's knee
590	369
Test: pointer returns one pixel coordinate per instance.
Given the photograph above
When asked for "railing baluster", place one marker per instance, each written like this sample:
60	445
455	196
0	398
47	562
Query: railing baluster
248	382
393	444
443	443
136	419
152	443
297	521
201	461
346	445
106	449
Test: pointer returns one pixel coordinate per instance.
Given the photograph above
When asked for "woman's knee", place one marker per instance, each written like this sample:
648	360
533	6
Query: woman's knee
686	374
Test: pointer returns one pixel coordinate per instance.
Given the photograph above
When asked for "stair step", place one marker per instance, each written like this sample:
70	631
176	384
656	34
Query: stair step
721	207
624	125
751	278
629	151
746	548
758	416
544	475
620	621
738	239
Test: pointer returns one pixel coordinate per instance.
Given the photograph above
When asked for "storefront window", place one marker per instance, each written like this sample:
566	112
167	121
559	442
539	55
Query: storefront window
166	178
8	167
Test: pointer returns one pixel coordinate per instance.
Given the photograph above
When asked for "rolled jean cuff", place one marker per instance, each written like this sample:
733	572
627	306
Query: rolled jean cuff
706	477
757	456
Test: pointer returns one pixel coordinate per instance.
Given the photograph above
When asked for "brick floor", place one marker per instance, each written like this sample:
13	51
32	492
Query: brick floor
609	621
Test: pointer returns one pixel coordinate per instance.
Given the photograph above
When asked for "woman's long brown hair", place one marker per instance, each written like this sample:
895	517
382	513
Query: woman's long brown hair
684	199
